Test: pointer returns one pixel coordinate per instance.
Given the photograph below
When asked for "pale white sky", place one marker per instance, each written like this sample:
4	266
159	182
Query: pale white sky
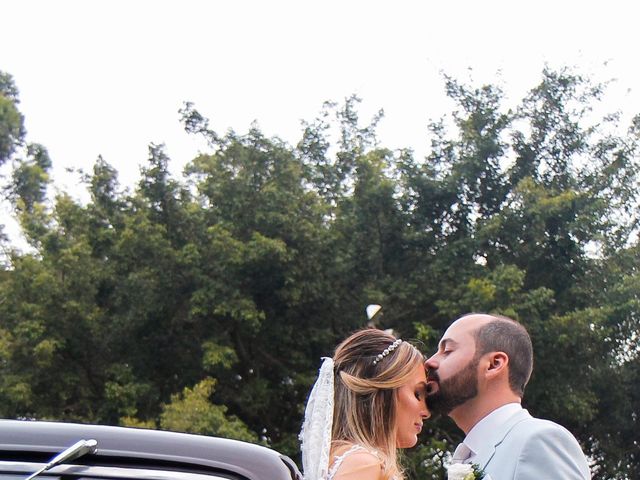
108	77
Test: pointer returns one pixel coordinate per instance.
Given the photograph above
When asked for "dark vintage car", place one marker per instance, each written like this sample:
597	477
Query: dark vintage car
103	452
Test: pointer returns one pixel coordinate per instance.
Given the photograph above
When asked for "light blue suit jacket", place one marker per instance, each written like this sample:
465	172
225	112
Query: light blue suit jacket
527	448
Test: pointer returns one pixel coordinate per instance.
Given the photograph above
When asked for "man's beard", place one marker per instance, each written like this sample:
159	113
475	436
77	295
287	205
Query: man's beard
454	391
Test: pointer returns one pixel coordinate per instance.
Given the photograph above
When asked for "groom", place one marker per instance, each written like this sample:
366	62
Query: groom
481	368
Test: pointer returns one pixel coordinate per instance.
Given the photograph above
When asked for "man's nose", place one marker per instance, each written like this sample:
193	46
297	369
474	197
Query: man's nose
431	363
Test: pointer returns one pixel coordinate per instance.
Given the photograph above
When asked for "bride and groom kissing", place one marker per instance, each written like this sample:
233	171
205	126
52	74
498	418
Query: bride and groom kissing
372	396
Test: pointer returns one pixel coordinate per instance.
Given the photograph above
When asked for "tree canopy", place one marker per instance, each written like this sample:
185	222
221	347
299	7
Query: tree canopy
204	303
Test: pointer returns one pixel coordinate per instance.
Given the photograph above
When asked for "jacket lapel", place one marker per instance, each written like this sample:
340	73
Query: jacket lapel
487	452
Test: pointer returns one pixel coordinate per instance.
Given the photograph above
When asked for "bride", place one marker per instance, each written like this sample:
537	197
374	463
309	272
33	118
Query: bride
368	401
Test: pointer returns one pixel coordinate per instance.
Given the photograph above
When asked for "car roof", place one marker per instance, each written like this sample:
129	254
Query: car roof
138	445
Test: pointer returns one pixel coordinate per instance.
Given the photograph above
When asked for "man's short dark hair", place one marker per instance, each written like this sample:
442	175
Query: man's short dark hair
502	334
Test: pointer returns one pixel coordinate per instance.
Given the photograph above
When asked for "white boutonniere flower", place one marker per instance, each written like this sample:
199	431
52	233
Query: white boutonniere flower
464	471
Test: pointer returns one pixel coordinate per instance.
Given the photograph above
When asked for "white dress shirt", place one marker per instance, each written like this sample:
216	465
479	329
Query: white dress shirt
485	428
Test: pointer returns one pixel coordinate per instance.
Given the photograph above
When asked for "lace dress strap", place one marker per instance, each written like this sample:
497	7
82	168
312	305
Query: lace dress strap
338	459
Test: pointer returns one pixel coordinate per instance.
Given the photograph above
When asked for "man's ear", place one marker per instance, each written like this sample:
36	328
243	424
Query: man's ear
498	362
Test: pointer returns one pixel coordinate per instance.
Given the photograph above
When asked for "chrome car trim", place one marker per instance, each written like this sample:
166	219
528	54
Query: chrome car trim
106	472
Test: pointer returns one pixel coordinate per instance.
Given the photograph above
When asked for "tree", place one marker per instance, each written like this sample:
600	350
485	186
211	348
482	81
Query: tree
193	412
12	130
205	303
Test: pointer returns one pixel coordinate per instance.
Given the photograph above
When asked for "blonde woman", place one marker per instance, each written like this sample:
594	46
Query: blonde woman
368	401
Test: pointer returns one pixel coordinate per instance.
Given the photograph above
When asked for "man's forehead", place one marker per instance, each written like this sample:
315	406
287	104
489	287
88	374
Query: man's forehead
473	321
466	325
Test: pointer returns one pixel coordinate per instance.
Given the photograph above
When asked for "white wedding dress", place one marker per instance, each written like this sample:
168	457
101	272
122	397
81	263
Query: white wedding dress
337	462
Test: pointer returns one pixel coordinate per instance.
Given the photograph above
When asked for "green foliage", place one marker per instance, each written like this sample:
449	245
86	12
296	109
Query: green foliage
192	412
12	131
215	355
427	460
205	303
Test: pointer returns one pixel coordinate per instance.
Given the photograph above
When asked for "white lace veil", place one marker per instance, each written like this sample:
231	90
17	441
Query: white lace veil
316	428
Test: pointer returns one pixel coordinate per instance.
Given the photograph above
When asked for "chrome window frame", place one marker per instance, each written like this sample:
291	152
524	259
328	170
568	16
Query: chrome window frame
102	472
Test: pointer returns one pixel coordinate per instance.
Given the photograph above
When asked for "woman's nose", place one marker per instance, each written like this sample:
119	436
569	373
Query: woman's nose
425	414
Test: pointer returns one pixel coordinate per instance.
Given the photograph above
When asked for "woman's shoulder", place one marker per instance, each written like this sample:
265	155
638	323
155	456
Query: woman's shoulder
355	461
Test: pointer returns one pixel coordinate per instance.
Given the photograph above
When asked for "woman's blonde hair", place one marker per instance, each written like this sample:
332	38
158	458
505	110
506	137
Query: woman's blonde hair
365	393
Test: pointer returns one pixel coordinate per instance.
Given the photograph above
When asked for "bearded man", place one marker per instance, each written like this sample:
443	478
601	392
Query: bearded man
480	371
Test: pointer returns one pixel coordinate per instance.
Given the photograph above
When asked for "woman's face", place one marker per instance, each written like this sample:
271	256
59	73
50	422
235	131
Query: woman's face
411	408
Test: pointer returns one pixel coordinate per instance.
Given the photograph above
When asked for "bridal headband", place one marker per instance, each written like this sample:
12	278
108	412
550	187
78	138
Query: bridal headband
387	351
